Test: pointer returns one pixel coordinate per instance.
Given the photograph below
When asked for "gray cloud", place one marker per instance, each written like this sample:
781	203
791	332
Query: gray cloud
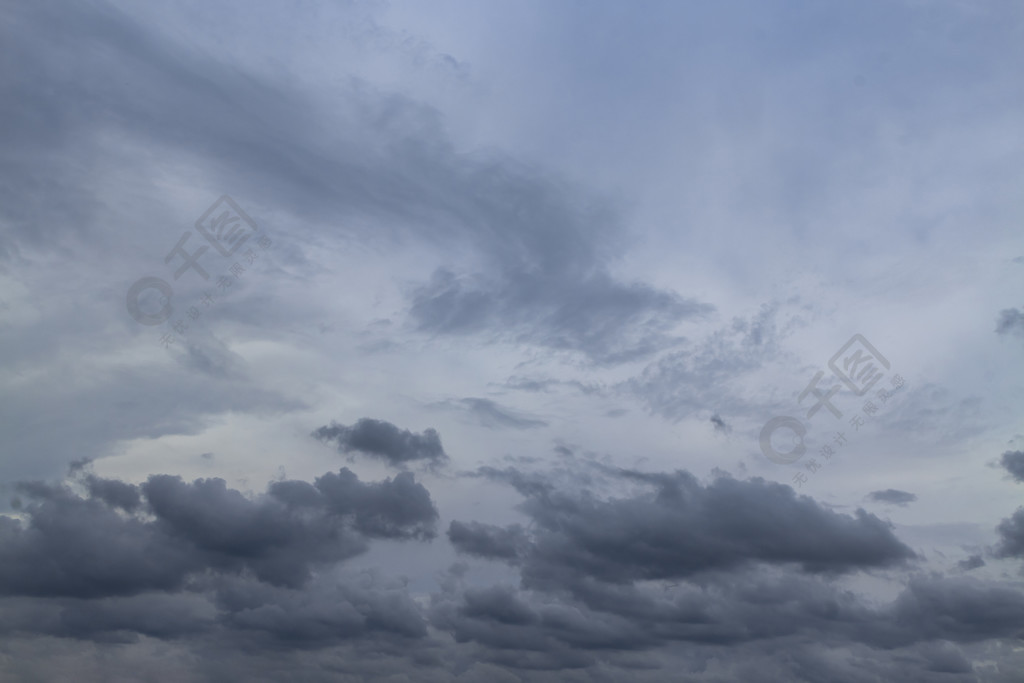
118	620
598	580
116	494
961	610
719	424
608	321
1011	535
81	547
544	245
972	562
487	540
119	123
385	441
535	385
86	547
1011	321
205	566
892	497
743	564
741	612
492	414
685	381
682	528
1013	462
321	615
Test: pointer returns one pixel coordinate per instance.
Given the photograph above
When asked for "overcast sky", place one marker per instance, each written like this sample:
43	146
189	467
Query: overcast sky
512	341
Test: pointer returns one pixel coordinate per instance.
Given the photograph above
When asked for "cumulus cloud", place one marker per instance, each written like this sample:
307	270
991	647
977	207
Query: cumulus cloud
741	612
682	528
487	540
385	441
202	564
601	577
1013	462
1011	535
320	615
122	539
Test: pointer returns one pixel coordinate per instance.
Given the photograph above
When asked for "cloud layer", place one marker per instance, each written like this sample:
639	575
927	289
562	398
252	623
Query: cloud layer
598	266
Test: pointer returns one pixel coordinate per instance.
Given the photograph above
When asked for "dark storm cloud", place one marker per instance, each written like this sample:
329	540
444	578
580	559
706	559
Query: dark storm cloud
960	610
499	604
709	565
233	611
1011	535
84	547
321	614
114	493
683	528
73	546
487	540
397	508
1011	530
230	532
154	615
744	611
204	565
743	564
384	441
111	619
544	245
893	497
1013	462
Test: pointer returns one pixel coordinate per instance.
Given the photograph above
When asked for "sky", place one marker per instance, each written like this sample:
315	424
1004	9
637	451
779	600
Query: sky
512	341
